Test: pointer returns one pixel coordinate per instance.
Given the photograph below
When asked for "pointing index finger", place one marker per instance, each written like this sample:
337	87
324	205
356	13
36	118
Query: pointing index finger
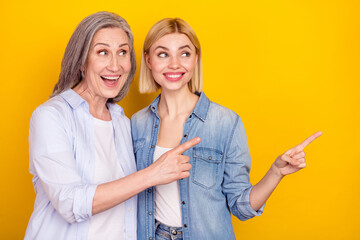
309	140
186	145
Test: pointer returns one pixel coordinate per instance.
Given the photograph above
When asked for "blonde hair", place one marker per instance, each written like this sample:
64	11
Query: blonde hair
147	83
77	51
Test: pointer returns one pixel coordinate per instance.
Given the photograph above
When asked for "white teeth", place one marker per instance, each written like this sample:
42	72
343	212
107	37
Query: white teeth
174	76
110	78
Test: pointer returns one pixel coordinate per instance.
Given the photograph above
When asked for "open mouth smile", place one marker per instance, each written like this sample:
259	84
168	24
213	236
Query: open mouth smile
173	76
110	81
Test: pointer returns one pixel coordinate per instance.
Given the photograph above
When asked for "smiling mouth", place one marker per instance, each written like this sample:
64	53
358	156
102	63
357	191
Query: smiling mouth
114	78
110	81
173	76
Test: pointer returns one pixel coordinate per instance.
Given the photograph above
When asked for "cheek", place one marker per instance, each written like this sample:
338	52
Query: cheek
95	66
127	65
158	66
156	71
190	65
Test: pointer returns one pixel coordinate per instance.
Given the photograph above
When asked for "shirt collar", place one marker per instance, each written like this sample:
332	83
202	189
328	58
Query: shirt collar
115	109
201	108
75	100
154	105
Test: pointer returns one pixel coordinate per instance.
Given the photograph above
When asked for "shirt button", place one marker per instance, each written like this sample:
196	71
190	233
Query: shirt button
152	146
150	213
153	108
185	135
183	202
185	225
150	238
156	125
149	190
210	158
190	116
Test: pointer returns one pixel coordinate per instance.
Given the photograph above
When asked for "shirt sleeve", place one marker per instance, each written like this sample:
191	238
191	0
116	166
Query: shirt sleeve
53	159
236	185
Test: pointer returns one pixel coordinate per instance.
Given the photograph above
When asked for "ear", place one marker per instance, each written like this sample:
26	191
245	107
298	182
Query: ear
82	70
147	60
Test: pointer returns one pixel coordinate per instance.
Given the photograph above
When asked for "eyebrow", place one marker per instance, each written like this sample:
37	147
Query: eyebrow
107	45
182	47
185	46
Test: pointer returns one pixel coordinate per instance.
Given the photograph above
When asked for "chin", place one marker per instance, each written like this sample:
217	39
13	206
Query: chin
173	87
110	94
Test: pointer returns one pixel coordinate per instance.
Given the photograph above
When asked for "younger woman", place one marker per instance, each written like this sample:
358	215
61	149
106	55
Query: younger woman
197	207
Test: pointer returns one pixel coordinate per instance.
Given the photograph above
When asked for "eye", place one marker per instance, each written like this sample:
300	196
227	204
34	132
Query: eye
123	52
102	52
185	54
162	55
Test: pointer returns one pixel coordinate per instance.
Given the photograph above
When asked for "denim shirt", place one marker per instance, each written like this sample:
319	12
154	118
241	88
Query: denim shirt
61	146
218	185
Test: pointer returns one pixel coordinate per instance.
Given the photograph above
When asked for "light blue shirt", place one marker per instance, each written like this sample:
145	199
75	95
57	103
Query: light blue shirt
219	178
61	140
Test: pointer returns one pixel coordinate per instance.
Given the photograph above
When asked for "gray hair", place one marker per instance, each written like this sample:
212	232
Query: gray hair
77	51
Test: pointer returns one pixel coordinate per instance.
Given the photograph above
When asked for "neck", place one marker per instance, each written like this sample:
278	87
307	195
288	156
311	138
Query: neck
175	103
97	104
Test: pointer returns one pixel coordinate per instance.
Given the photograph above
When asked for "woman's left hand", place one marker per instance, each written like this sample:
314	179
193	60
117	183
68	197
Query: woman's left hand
293	159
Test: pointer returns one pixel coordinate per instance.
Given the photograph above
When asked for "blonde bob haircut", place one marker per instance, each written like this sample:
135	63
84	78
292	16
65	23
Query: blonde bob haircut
147	83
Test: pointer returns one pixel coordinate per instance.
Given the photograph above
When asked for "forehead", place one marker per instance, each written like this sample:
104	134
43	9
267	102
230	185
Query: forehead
173	40
110	36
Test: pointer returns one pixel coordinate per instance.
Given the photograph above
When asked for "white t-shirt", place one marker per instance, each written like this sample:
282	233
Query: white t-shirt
167	198
109	224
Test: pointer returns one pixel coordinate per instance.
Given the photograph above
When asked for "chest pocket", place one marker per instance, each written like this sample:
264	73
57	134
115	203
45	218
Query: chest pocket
206	166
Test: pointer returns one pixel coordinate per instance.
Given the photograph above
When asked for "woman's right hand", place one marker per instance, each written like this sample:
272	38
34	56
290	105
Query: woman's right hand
172	165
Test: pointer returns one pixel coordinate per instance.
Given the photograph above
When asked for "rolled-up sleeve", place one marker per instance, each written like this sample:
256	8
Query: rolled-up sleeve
52	160
236	185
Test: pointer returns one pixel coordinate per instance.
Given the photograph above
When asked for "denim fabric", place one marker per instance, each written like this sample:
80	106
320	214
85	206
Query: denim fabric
219	179
61	146
163	232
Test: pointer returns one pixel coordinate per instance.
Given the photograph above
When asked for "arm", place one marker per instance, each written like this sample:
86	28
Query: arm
290	162
53	161
236	183
53	164
170	167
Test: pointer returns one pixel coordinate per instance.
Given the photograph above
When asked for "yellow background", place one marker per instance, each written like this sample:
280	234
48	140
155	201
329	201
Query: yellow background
288	68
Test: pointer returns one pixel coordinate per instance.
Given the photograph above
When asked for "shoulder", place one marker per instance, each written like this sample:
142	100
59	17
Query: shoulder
146	113
141	115
54	107
221	114
208	110
215	107
50	119
141	123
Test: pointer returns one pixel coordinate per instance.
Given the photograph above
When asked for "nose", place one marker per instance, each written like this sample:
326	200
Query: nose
174	63
114	64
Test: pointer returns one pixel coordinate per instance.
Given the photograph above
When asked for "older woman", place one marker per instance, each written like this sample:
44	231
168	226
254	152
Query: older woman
81	151
198	207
